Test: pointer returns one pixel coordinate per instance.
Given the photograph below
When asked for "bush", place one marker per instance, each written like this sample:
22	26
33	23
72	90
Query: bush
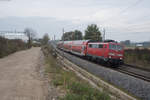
140	57
10	46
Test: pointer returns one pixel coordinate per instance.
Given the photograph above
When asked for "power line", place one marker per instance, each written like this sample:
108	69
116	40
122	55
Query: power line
124	10
129	7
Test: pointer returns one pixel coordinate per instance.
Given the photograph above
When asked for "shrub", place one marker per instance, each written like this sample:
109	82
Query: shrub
10	46
137	56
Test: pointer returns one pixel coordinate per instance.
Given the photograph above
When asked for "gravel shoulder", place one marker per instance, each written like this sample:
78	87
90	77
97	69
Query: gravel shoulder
19	76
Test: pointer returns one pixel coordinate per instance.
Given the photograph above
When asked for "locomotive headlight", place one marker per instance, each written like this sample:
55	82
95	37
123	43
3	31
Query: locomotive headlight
111	54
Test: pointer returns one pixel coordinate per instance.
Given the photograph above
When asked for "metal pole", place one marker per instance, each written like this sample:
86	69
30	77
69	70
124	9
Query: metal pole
63	42
54	37
104	34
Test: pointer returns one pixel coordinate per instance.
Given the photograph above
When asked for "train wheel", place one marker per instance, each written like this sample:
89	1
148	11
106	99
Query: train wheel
97	60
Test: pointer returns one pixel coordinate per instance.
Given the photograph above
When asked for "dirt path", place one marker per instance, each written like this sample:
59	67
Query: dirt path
19	79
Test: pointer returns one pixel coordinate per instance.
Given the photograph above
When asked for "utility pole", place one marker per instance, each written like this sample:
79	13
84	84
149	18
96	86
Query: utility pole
63	34
54	37
104	34
63	41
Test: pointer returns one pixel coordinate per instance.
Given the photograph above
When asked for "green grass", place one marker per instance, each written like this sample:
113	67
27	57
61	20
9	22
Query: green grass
75	87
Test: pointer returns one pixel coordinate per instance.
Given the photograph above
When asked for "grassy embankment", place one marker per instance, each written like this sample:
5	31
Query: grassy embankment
75	88
10	46
138	57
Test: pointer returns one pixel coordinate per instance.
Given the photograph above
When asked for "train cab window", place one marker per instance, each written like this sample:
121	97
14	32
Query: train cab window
119	47
100	46
112	46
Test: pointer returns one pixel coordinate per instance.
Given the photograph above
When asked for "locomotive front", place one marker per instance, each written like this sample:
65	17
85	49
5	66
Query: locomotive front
116	53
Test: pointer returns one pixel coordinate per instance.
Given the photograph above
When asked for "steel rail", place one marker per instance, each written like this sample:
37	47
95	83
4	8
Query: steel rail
134	74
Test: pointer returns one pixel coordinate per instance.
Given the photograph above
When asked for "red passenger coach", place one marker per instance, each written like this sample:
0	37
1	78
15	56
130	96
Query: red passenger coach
79	47
67	45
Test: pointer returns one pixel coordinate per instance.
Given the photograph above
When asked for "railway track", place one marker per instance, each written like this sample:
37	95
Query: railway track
137	67
135	74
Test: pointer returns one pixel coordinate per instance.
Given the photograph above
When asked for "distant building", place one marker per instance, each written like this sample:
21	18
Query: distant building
126	42
139	45
14	35
143	44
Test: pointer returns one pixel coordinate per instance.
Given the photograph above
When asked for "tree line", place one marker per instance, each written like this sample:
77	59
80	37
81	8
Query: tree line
92	32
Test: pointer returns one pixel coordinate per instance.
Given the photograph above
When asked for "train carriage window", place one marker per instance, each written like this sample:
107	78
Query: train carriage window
90	45
83	47
100	46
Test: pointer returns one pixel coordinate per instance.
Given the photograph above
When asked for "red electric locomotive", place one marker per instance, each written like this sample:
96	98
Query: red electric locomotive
109	52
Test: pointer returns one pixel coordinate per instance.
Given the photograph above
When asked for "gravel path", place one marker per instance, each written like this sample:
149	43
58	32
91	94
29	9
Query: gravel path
19	79
135	86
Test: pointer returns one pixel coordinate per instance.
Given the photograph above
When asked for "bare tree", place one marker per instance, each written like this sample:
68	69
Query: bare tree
45	39
30	33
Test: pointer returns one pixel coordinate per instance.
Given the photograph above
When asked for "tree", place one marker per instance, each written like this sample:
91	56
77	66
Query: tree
77	35
72	35
30	33
45	39
68	36
92	32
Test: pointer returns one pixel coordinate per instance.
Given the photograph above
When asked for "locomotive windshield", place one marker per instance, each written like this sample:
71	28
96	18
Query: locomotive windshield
119	47
115	47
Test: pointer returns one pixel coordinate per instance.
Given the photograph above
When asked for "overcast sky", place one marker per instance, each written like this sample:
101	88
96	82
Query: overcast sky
122	19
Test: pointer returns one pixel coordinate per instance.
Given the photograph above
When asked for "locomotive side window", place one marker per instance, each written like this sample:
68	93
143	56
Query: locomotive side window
100	46
95	46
